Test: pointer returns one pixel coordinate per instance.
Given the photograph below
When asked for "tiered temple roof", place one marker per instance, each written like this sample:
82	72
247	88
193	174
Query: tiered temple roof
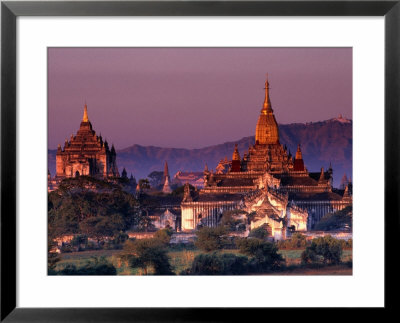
86	154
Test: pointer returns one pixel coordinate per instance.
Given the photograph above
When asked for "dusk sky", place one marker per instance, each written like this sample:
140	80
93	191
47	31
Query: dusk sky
192	97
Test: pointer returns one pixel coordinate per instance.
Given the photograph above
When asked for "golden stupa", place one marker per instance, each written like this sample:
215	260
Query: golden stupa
267	127
236	155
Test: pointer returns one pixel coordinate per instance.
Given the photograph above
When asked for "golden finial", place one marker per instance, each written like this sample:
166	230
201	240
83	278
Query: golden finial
298	152
236	155
85	114
267	102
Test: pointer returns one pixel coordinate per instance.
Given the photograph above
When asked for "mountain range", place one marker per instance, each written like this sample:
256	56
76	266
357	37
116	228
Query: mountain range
322	143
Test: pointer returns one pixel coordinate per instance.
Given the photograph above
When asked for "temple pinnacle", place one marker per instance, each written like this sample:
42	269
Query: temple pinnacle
267	101
85	114
298	152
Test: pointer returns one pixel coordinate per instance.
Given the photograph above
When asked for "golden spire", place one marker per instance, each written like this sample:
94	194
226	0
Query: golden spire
267	101
85	114
236	155
298	153
267	129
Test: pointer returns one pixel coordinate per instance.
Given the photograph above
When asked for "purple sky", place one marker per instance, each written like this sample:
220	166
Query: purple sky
192	97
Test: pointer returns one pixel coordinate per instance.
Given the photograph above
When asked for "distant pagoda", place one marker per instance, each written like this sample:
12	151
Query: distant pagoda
166	179
86	154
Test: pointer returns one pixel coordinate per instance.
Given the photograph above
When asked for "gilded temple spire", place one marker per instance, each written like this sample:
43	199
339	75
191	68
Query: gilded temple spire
267	101
85	114
298	152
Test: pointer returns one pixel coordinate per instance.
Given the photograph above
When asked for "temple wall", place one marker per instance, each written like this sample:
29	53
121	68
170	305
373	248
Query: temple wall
205	213
298	219
317	209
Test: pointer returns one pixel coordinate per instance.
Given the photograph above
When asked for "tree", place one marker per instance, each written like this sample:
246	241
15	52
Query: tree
164	235
297	241
95	267
210	239
102	226
218	264
147	252
262	232
234	220
52	255
156	178
327	250
264	254
77	200
180	190
144	184
337	220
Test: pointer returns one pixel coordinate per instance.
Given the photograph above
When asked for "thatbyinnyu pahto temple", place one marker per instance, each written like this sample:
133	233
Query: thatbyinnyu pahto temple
267	180
86	154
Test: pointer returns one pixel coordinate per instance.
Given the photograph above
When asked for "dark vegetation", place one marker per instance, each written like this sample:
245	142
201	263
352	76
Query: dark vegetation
339	220
95	208
98	266
296	241
262	232
326	250
151	252
234	220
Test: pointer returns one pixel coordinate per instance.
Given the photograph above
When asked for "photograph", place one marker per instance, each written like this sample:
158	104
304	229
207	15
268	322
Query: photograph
200	161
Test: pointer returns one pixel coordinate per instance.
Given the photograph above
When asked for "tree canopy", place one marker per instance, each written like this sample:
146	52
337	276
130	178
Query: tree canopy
91	207
211	239
335	221
327	250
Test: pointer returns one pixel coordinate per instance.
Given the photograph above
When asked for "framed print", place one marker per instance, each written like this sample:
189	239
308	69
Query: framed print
125	111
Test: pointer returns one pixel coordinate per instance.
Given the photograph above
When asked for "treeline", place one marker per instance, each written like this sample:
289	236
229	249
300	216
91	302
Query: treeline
338	220
92	208
299	241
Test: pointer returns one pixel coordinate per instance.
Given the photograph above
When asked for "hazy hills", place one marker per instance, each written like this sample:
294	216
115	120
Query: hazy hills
321	142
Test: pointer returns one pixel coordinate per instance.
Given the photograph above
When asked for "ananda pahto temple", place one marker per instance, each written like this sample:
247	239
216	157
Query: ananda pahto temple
267	181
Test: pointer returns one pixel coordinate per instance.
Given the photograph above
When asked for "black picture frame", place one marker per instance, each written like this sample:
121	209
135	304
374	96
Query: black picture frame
10	10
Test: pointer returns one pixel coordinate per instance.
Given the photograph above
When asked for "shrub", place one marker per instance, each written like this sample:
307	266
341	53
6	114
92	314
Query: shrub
211	239
297	241
233	220
218	264
98	267
264	254
164	235
327	250
260	233
147	252
336	220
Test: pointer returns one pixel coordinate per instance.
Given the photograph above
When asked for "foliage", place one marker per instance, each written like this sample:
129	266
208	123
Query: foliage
210	239
52	256
233	220
261	232
144	184
156	178
327	250
264	254
147	252
218	264
180	190
98	267
164	235
91	207
337	220
297	241
79	240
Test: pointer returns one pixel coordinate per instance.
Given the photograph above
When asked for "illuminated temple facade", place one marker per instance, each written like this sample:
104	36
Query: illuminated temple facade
268	182
86	154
